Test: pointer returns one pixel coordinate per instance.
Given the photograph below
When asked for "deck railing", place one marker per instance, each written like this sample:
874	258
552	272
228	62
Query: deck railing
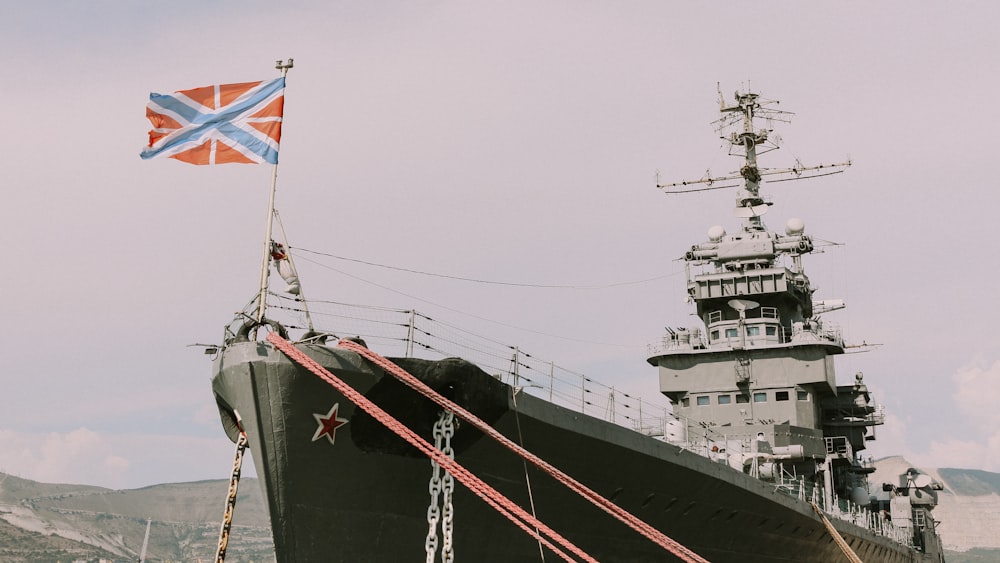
397	332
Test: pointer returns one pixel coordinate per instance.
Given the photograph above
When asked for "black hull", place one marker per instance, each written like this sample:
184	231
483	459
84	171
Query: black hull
350	501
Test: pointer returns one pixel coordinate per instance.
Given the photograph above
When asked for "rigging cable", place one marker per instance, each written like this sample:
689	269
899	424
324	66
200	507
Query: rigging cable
841	543
596	499
460	312
524	463
300	293
491	496
488	282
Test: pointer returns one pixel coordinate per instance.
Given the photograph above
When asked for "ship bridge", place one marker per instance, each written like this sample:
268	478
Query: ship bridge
754	384
762	358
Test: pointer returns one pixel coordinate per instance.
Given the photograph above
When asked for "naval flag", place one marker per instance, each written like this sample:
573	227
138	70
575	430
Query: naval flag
218	124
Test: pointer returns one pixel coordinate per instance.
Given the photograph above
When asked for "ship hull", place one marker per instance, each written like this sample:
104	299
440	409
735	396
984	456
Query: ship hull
359	495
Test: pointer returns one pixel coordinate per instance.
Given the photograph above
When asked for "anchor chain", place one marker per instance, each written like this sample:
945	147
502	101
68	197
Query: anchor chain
447	487
234	484
441	488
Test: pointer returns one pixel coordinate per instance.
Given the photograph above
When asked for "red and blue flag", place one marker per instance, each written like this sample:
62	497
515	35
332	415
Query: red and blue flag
218	124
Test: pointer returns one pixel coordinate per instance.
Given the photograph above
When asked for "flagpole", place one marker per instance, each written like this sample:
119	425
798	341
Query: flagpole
266	260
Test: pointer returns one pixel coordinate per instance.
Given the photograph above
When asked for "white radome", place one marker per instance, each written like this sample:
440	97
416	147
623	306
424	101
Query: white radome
716	232
795	226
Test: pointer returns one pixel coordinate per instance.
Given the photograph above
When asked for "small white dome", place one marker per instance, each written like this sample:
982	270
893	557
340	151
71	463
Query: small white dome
795	226
716	233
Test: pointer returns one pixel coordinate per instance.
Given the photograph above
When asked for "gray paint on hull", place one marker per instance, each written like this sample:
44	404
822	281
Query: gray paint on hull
339	503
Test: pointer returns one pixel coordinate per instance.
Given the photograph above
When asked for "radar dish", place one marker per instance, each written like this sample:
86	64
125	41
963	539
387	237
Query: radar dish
743	304
754	211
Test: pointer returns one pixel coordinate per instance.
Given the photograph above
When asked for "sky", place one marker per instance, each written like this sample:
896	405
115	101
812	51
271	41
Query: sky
514	141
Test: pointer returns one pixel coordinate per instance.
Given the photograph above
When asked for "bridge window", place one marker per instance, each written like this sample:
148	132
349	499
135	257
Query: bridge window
725	399
741	398
760	397
781	395
802	395
753	331
771	330
702	400
731	333
715	335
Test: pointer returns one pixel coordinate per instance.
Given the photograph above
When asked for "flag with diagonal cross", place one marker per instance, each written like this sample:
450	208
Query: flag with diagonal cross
218	124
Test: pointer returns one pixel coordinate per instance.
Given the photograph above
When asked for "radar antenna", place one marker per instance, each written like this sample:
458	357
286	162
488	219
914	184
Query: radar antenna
744	140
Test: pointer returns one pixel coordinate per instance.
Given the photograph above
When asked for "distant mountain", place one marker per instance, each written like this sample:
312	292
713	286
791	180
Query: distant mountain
971	482
50	522
41	522
968	509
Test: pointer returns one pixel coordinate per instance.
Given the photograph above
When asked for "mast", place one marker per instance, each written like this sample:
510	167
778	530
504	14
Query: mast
266	259
751	202
750	143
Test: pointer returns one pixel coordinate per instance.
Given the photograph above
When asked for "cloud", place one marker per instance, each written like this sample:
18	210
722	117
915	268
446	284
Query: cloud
972	454
891	438
977	394
116	461
78	456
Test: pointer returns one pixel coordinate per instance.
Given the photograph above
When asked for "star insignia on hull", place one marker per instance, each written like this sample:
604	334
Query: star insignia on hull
328	424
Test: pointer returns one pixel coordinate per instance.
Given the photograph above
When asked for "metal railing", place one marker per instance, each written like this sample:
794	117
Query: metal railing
859	515
697	340
404	332
410	333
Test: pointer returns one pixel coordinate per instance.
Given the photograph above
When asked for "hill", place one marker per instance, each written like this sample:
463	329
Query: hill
968	509
50	522
58	522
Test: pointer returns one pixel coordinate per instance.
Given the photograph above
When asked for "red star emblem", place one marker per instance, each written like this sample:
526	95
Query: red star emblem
328	424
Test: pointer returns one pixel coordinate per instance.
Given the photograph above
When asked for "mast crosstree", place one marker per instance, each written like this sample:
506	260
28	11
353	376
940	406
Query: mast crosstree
750	142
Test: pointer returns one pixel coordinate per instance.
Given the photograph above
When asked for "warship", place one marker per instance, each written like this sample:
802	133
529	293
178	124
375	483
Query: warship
753	456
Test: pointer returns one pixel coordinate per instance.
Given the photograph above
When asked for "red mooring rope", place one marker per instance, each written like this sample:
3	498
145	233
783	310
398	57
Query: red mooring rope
494	498
611	508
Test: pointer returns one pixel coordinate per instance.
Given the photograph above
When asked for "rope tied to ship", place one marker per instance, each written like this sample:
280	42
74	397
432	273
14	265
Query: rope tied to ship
480	488
234	484
409	380
596	499
841	543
